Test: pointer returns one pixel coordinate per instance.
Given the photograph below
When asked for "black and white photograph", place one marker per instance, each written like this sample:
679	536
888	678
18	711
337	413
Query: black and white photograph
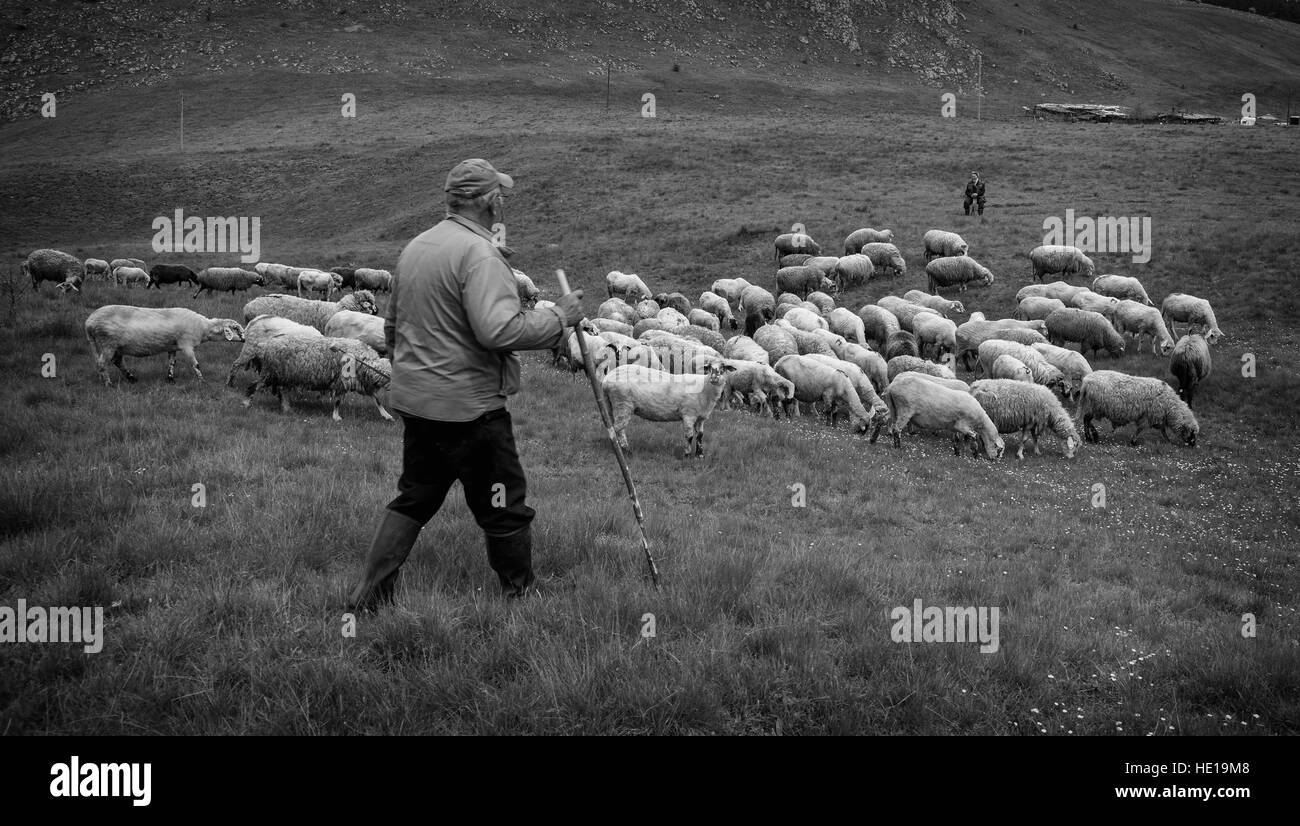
651	368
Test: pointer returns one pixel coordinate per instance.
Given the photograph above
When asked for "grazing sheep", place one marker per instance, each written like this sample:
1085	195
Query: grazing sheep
708	338
1072	364
1190	365
782	309
621	340
365	278
730	288
815	382
1020	335
1027	409
1010	367
1053	258
878	324
824	263
905	311
744	348
1195	312
51	265
609	324
720	307
755	299
853	270
318	281
265	327
334	366
95	268
901	343
859	238
776	342
862	385
1133	318
823	302
703	318
973	333
657	396
806	342
365	328
117	330
957	272
160	274
977	316
945	307
650	324
916	364
627	286
806	320
834	340
126	276
869	361
935	335
1037	307
672	318
1088	300
930	406
951	384
789	298
1091	331
677	301
1146	402
796	242
230	279
885	257
794	260
757	386
844	322
940	243
282	275
306	310
802	280
645	308
527	290
619	310
1059	290
346	275
126	262
72	284
1122	286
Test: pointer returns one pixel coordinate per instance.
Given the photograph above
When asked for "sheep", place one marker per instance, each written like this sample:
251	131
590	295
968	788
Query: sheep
117	330
901	343
934	334
915	400
619	310
757	386
609	324
811	307
869	361
885	257
905	311
618	339
708	338
976	331
1053	258
905	363
1146	402
126	262
677	301
815	382
626	285
802	280
1195	312
527	290
711	302
679	356
794	260
1059	290
1041	371
1037	307
1088	300
308	311
1010	367
1133	318
335	366
825	264
51	265
744	348
806	320
365	278
957	272
878	323
951	384
95	268
859	238
1122	286
71	284
365	328
261	328
755	299
1190	365
347	276
229	279
645	308
796	242
940	243
1072	364
570	352
729	288
862	385
703	318
977	316
127	276
1030	409
776	342
945	307
844	322
650	324
282	275
672	318
823	302
789	298
1090	330
806	342
160	274
657	396
853	270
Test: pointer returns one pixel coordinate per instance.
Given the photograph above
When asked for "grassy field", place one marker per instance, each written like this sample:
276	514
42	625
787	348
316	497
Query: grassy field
771	618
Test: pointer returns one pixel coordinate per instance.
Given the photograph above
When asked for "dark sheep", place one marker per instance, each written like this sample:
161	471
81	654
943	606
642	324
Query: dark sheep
160	274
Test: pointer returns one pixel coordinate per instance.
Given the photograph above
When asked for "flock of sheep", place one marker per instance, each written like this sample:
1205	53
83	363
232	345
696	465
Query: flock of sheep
893	362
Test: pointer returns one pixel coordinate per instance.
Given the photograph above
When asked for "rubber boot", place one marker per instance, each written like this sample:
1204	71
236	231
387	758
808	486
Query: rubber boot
512	558
388	550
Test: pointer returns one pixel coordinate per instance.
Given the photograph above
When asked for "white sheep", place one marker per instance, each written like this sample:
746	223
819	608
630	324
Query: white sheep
756	300
885	257
729	288
957	271
366	278
1146	402
1072	364
657	396
806	320
905	311
320	281
929	406
308	311
1028	409
817	382
126	276
803	279
626	285
878	324
869	361
645	308
334	366
852	270
744	348
898	365
1059	290
1195	312
117	330
619	310
279	275
820	301
609	324
672	317
703	318
262	328
365	328
756	386
126	262
1122	286
951	384
945	307
1190	364
971	334
776	342
796	242
720	307
862	385
1009	367
1041	371
1053	258
859	238
844	322
939	243
1088	300
935	335
1092	331
807	342
1133	318
1037	307
95	268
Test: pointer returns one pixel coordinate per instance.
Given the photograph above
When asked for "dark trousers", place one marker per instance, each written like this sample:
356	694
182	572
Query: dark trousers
481	453
970	198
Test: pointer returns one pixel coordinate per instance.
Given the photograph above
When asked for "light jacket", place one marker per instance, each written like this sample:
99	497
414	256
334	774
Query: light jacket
453	323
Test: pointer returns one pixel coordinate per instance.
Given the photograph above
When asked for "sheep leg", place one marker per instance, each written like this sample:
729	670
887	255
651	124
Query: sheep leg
117	362
957	439
336	398
194	361
1138	427
621	415
383	414
688	424
171	366
1090	433
897	429
699	438
284	401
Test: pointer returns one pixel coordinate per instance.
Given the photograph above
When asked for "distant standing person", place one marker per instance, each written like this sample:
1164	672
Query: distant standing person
452	326
974	193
